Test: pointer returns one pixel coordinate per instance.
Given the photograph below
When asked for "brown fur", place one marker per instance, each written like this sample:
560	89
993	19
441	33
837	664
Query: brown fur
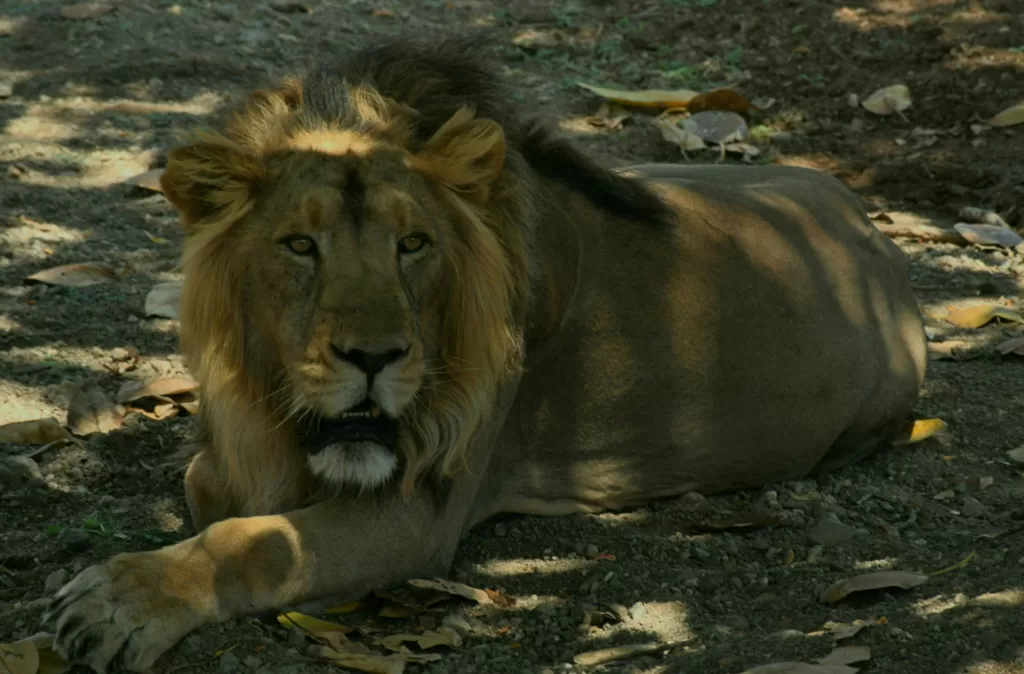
577	339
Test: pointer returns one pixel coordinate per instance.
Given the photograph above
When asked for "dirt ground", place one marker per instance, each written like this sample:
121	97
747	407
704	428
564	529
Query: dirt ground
96	101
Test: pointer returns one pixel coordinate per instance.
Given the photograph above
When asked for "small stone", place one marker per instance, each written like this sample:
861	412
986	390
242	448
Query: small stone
55	580
814	554
693	498
252	662
592	550
229	662
972	507
830	531
74	541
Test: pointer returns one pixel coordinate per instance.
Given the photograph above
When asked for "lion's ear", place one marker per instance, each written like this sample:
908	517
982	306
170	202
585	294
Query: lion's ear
209	179
465	154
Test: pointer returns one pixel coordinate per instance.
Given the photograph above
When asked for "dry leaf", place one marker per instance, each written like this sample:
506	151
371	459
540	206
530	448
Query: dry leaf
383	13
164	300
872	581
846	655
499	599
954	567
453	588
149	180
309	624
168	386
841	631
977	316
378	664
718	127
1014	454
74	275
156	239
674	133
738	522
610	116
653	98
982	216
344	608
92	411
885	101
801	668
1010	116
600	657
35	432
398	611
21	657
1014	346
919	430
86	10
719	99
444	636
988	235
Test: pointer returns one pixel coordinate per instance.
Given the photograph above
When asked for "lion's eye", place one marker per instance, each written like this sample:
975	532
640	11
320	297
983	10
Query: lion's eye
412	243
300	245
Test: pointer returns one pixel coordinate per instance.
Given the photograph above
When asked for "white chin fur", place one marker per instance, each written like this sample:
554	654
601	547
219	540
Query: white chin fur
363	464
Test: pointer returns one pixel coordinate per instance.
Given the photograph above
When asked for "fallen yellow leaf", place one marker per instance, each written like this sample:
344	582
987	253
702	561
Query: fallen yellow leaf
344	608
719	99
926	428
19	658
309	624
1010	116
871	581
651	98
977	316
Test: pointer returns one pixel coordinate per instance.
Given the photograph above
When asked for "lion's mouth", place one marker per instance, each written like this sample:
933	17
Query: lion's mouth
365	422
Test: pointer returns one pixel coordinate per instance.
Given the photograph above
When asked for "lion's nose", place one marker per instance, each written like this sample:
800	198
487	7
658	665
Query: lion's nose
370	362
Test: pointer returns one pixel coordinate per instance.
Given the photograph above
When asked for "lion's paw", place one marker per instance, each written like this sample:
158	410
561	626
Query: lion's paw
115	616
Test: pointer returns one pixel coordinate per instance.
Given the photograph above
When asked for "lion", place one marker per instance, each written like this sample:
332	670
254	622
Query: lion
411	308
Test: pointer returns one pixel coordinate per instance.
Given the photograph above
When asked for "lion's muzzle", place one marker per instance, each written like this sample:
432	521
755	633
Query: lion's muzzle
365	422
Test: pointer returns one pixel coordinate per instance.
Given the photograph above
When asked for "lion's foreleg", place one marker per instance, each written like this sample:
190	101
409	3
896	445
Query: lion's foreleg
135	606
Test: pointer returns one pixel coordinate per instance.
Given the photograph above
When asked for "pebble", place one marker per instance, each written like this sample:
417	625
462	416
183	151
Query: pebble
693	498
252	662
74	541
830	531
229	662
592	550
972	507
55	580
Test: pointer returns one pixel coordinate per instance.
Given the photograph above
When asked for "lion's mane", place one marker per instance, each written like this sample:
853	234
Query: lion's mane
412	97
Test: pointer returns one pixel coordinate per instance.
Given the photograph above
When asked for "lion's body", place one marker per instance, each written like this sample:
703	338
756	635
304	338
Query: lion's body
772	329
604	339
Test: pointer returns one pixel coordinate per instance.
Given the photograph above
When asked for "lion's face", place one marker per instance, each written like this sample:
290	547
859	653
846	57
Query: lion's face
349	258
350	289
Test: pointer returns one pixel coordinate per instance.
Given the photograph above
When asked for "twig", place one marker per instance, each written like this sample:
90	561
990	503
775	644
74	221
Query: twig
39	450
923	232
